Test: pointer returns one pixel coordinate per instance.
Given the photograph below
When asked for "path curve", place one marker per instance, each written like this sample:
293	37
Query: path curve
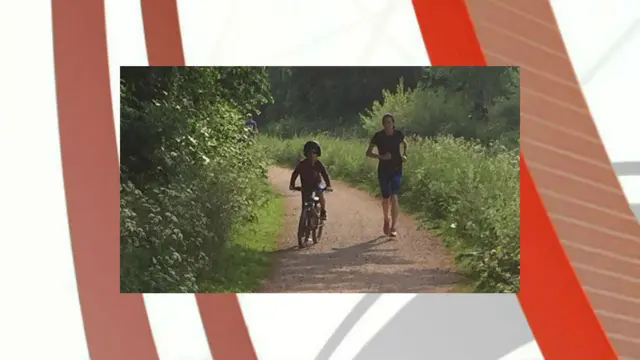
352	256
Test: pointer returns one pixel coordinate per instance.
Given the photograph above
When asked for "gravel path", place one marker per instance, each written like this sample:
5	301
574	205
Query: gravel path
353	255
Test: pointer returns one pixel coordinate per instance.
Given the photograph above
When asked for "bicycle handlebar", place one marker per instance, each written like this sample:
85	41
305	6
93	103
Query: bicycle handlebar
299	188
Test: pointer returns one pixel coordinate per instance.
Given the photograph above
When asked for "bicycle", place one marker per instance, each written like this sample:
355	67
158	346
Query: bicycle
310	224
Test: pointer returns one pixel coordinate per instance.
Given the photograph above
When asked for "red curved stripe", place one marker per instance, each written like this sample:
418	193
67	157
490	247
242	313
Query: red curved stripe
221	314
162	32
116	325
447	29
225	326
558	310
552	299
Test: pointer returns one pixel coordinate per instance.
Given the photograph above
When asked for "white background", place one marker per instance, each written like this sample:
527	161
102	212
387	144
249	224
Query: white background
37	260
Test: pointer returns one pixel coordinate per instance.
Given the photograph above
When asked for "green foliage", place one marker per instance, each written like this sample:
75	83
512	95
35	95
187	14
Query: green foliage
480	86
468	192
445	104
420	112
329	98
245	260
189	171
197	213
463	175
400	104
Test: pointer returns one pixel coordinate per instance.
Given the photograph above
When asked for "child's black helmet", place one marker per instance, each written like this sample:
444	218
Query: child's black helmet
311	146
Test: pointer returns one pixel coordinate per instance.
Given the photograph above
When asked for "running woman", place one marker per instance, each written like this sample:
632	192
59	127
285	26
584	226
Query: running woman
390	161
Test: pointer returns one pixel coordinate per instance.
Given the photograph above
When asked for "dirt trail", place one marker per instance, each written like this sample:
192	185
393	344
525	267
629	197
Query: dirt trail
352	255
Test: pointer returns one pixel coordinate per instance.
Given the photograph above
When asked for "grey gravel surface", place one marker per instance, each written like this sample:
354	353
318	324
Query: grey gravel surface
353	254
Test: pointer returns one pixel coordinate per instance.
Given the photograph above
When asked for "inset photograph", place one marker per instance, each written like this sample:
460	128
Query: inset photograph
320	179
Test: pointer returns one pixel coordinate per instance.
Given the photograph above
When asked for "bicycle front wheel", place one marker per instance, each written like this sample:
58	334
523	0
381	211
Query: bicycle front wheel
302	229
318	233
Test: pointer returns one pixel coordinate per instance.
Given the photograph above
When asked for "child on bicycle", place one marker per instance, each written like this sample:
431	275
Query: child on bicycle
311	172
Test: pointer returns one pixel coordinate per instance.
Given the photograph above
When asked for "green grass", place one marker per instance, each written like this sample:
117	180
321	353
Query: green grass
465	193
463	288
245	260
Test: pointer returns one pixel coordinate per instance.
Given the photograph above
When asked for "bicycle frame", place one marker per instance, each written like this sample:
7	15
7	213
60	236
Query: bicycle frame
313	199
310	223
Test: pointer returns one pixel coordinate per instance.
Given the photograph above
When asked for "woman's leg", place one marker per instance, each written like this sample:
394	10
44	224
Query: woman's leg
385	192
386	227
385	209
395	207
393	200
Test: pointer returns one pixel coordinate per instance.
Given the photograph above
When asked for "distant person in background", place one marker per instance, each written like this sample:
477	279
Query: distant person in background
390	161
252	124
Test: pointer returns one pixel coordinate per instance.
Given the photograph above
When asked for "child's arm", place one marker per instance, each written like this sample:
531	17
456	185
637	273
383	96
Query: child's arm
325	174
294	176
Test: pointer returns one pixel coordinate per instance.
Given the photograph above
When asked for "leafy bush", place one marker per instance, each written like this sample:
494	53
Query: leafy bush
447	106
327	98
400	104
189	171
468	192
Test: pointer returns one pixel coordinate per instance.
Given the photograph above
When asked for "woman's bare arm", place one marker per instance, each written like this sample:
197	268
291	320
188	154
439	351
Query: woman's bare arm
370	152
